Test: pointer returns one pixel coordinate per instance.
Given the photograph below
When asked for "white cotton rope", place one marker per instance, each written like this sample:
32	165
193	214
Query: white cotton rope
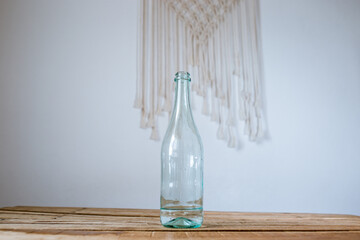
217	42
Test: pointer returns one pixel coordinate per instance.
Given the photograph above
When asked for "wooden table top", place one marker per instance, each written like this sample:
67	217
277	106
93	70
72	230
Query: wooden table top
105	223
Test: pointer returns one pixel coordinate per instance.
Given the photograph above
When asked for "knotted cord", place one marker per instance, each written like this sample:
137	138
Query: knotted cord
217	42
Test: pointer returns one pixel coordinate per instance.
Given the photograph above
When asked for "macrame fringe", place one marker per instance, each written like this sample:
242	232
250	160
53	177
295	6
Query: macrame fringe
218	43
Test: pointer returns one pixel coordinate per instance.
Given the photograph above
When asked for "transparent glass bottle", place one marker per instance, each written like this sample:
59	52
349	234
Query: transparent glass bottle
182	164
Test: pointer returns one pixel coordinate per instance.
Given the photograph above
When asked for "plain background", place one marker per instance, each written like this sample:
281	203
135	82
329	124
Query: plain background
69	135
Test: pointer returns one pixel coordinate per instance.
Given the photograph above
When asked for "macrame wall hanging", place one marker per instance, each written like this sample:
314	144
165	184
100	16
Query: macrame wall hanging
217	42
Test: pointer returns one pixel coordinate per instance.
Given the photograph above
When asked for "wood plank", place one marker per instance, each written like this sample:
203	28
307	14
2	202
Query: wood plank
182	235
156	212
43	209
96	223
102	223
27	220
89	211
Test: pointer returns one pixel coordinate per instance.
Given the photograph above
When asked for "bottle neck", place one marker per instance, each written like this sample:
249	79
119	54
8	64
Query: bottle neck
182	98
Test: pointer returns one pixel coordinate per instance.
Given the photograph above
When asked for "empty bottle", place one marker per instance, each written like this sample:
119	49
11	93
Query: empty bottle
182	164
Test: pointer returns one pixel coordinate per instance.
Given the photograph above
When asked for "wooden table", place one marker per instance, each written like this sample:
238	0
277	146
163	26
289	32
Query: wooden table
98	223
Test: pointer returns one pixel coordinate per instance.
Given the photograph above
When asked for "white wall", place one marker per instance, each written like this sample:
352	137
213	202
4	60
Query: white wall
70	137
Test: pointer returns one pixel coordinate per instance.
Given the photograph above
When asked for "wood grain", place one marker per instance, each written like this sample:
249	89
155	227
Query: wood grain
105	223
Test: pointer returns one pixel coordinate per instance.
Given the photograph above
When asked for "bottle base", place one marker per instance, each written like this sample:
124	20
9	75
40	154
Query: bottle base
181	222
184	218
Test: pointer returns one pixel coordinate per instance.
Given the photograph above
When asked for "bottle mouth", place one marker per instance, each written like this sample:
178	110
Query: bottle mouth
182	75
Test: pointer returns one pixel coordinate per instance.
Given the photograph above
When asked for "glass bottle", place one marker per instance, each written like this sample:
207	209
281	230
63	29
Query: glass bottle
182	164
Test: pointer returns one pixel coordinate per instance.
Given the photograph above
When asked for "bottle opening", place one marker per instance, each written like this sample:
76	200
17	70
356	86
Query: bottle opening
182	75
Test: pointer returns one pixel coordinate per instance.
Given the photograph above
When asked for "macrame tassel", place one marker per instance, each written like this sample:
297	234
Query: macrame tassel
143	120
257	109
138	101
242	114
247	127
159	107
205	107
253	129
230	119
155	134
232	138
260	131
220	132
151	121
237	71
195	79
214	112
